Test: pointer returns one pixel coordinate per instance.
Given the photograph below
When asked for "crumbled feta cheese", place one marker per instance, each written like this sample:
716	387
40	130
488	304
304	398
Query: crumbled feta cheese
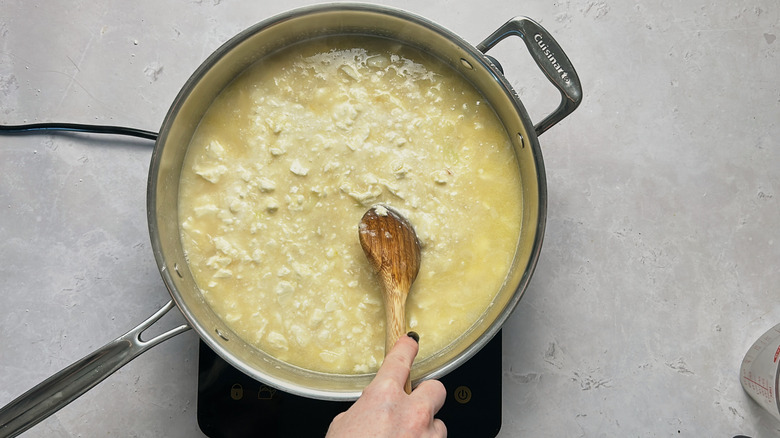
211	173
205	209
284	287
297	168
223	273
380	210
277	340
265	184
218	262
271	205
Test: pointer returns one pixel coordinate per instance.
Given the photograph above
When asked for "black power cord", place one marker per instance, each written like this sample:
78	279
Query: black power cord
76	127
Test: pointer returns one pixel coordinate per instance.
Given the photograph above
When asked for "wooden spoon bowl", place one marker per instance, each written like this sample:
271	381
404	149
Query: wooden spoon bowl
393	250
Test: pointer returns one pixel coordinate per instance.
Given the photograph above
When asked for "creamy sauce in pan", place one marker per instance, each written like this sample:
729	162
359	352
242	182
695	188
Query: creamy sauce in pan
289	158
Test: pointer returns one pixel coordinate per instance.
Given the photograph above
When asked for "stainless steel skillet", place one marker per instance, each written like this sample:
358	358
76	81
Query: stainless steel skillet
185	113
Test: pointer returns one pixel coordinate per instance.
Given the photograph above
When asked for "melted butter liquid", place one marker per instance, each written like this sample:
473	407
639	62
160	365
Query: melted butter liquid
288	159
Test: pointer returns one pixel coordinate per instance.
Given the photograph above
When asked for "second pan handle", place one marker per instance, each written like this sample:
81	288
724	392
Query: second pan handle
549	56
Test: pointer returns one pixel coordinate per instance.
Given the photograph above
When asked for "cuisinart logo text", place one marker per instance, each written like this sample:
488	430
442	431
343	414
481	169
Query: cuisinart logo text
551	57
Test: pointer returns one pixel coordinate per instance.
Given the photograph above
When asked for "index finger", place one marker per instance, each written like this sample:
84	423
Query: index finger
398	362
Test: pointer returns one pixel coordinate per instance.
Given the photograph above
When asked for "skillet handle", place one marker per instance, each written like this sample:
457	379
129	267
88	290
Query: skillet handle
65	386
549	56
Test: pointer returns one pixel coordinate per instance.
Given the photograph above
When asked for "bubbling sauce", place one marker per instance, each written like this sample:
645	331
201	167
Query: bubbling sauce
290	156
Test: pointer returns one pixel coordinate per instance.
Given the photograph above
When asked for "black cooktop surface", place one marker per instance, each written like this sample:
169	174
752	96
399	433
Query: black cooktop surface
233	405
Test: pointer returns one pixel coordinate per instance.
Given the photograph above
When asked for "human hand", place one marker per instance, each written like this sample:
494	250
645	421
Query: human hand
385	410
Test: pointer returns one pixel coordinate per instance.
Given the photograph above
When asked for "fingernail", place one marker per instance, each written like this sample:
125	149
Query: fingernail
414	336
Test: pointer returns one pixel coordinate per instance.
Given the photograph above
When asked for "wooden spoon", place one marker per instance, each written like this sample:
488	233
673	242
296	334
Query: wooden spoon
392	248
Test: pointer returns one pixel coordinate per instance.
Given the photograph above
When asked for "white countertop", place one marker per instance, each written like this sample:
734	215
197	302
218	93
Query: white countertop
659	266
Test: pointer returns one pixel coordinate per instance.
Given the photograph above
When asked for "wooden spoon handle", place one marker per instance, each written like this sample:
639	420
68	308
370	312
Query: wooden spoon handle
393	250
395	320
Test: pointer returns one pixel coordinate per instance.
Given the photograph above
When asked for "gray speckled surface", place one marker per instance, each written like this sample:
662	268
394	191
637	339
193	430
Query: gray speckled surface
659	268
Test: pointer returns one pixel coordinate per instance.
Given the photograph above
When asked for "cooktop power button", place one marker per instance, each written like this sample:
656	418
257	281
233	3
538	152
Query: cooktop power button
462	394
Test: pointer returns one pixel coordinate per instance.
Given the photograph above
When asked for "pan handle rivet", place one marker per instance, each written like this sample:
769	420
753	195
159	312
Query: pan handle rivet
221	335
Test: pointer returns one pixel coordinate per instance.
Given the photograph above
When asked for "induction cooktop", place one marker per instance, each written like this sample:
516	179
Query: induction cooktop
233	405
